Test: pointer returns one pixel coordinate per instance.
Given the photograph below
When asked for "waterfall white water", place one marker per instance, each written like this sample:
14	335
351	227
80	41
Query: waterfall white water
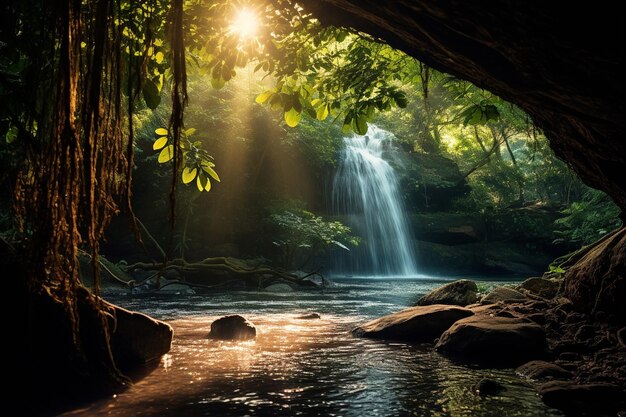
366	197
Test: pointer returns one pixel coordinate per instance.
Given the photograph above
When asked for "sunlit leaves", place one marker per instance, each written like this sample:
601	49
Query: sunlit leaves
264	97
203	183
160	143
189	174
322	112
166	154
209	170
197	163
292	117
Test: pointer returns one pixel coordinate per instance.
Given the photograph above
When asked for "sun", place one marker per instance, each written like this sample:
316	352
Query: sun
245	23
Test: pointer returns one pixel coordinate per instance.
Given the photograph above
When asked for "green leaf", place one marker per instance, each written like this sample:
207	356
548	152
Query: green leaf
263	97
341	36
190	131
189	174
295	100
292	117
151	94
11	134
218	83
211	172
491	112
322	112
557	269
166	154
160	143
276	102
203	183
161	132
361	124
401	100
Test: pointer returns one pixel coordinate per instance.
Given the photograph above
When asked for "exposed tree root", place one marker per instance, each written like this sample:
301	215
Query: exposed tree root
568	260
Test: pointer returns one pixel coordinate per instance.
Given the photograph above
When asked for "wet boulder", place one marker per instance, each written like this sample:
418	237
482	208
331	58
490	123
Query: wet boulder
503	294
493	341
278	286
136	338
234	327
460	293
543	371
415	324
542	287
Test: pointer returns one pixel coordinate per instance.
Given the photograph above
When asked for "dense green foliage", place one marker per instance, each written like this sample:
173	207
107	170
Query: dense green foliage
300	235
589	219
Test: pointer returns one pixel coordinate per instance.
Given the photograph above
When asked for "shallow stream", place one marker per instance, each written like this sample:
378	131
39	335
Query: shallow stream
307	367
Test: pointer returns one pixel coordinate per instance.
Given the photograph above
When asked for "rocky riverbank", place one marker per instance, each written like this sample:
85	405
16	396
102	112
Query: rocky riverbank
577	362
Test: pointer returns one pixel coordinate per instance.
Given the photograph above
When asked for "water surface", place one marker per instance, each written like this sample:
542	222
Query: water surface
307	367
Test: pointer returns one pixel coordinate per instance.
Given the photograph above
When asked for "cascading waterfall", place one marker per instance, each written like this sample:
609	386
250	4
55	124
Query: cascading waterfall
365	195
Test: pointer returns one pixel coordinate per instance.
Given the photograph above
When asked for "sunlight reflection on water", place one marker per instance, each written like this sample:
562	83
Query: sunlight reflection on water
306	368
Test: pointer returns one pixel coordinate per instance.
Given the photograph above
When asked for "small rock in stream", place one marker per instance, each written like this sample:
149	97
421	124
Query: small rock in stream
487	386
309	316
233	327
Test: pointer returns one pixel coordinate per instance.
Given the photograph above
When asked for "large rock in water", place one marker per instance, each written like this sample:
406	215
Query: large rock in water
136	338
493	341
233	327
458	293
415	324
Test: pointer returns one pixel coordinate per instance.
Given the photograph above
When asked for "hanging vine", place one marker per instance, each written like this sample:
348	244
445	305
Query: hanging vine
77	134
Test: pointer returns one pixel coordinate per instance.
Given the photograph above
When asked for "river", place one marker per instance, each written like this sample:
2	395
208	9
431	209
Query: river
306	367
